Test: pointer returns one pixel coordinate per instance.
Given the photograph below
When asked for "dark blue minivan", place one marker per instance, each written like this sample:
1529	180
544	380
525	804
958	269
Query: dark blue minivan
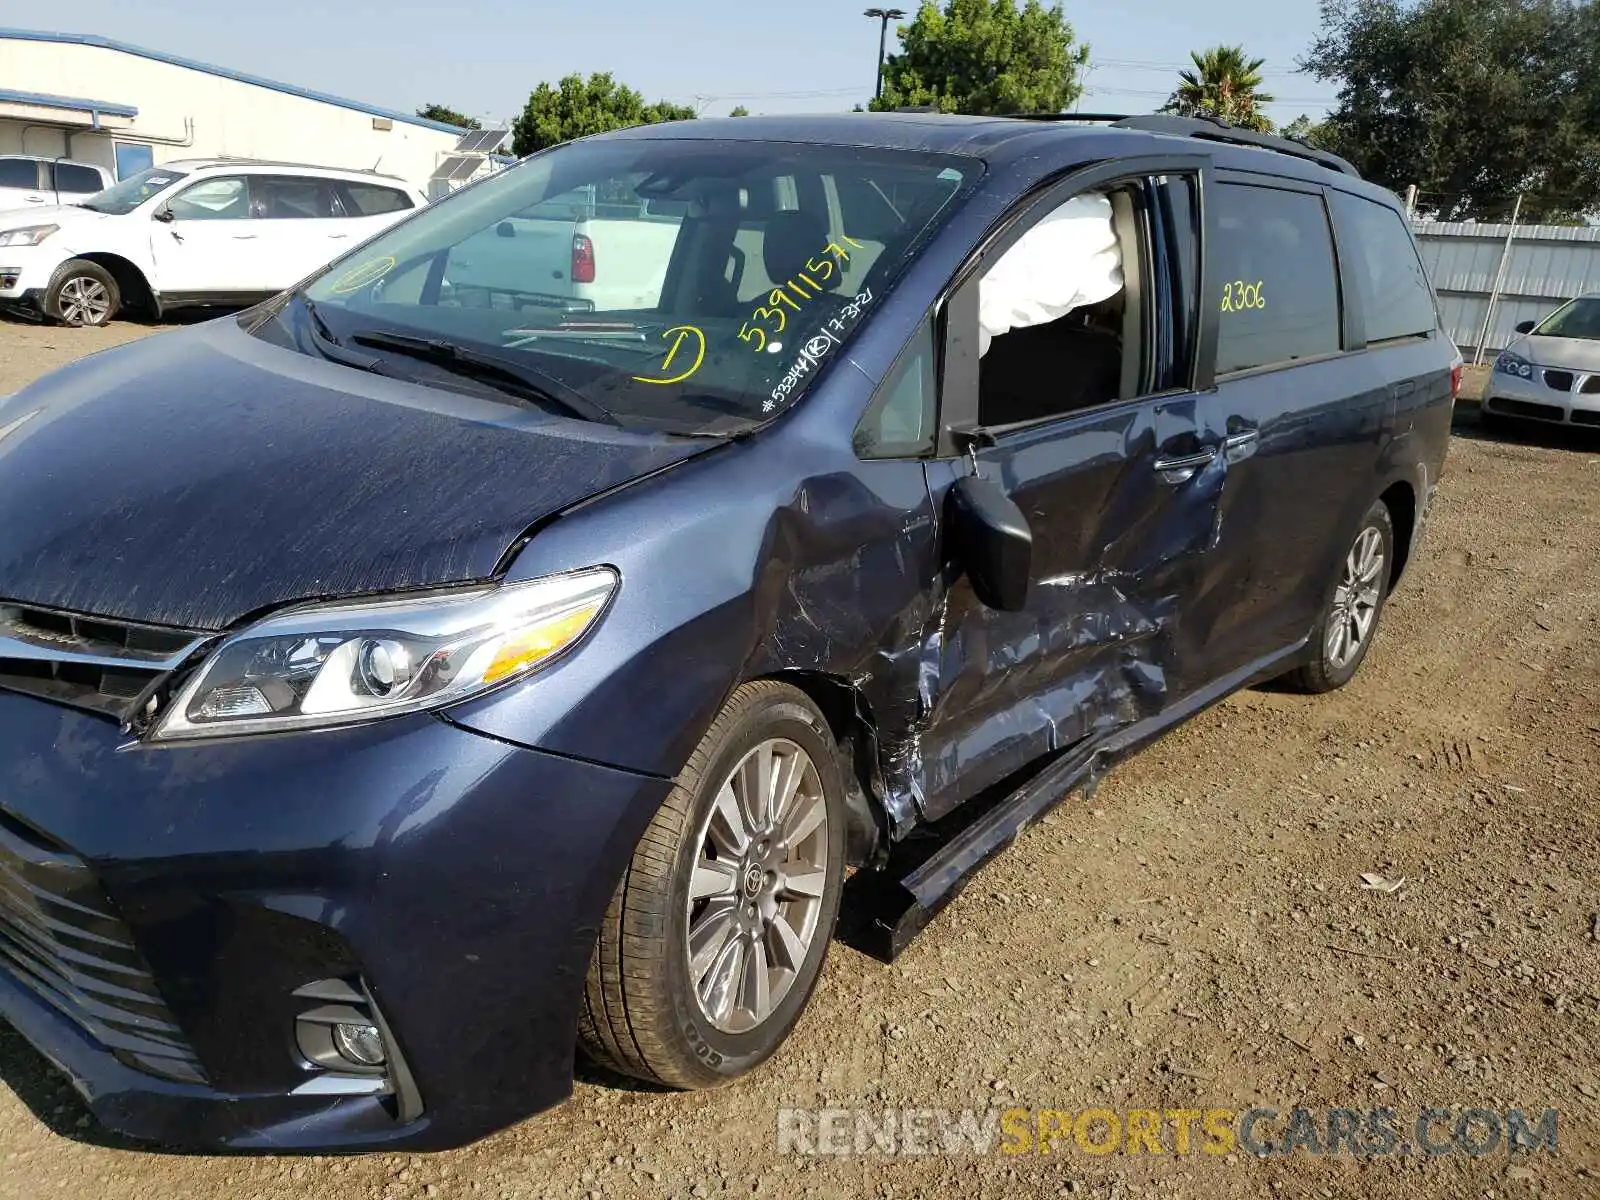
509	640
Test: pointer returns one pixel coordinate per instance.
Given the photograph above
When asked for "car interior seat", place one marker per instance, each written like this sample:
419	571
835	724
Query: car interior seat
1059	367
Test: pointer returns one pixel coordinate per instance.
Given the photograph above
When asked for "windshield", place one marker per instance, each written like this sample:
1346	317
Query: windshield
1576	319
133	191
694	286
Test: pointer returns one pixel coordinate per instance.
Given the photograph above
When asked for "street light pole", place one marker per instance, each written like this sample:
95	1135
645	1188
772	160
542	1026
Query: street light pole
884	16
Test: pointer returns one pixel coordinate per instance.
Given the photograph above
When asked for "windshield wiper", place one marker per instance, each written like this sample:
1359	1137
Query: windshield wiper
511	378
330	347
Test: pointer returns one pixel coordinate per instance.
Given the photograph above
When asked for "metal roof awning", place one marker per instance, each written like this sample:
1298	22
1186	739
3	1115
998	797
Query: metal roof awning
73	112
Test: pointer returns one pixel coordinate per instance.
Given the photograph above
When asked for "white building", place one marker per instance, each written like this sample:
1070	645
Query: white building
146	107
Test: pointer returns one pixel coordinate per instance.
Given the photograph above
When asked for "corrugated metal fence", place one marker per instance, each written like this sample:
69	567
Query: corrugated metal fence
1545	266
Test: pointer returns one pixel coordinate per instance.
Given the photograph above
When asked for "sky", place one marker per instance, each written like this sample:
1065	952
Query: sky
483	57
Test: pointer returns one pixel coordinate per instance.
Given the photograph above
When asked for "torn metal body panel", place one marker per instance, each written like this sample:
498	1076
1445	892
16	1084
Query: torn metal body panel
1118	548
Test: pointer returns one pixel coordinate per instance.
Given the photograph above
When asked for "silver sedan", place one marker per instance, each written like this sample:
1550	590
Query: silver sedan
1551	372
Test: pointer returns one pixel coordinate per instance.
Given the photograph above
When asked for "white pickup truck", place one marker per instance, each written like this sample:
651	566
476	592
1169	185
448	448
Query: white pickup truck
28	179
573	251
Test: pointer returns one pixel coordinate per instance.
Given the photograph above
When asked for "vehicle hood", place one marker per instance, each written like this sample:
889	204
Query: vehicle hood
197	477
49	214
1571	354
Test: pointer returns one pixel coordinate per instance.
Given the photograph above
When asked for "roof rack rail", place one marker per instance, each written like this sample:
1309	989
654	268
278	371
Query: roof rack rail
1217	130
247	160
1072	116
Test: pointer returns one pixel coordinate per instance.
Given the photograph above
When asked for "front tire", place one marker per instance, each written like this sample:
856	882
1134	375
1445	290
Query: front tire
1349	621
83	294
717	932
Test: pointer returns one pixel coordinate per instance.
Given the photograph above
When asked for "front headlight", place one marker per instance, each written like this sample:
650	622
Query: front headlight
29	235
331	664
1514	364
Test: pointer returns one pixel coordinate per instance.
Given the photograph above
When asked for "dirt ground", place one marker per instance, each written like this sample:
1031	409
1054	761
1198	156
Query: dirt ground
1195	936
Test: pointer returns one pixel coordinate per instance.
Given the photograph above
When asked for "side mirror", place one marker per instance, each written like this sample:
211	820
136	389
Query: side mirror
991	541
1526	326
505	229
164	215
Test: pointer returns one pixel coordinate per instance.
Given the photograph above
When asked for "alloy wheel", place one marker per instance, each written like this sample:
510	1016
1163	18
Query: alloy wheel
84	300
1356	599
755	894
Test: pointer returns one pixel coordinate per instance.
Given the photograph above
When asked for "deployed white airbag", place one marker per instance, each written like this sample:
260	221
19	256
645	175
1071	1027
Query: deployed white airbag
1069	259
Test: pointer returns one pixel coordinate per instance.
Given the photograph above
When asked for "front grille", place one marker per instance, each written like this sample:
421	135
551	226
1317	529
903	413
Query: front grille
60	938
88	662
1591	385
1526	408
1581	416
1560	380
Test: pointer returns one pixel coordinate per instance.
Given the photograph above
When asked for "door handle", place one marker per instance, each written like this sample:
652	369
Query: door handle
1241	445
244	237
1181	468
33	199
334	237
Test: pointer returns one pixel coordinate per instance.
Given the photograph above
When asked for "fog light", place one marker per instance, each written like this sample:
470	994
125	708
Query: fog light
361	1044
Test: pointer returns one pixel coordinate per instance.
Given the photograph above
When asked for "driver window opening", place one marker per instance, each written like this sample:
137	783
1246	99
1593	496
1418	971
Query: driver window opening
1060	327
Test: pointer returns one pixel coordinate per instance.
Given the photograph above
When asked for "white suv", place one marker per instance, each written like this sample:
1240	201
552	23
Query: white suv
191	233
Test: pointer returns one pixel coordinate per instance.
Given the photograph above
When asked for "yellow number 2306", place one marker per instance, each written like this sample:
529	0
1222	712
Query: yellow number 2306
1239	296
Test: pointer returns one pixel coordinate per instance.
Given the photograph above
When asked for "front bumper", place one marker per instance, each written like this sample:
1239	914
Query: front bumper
25	272
1534	400
461	879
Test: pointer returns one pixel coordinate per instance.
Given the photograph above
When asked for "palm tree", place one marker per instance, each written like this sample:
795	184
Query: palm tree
1224	83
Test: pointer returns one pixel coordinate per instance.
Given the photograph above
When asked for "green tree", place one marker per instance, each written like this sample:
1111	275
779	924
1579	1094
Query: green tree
1474	101
438	112
1224	83
577	107
985	56
1304	129
739	111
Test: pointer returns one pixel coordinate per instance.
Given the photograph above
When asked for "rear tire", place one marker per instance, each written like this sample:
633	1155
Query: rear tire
709	951
83	294
1351	610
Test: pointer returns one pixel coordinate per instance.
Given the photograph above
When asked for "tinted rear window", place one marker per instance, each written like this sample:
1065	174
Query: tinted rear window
1395	298
1276	283
370	200
19	173
290	198
70	177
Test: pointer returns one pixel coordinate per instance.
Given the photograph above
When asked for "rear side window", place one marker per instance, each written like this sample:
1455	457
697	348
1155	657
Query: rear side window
370	200
70	177
1395	298
288	198
1274	278
19	173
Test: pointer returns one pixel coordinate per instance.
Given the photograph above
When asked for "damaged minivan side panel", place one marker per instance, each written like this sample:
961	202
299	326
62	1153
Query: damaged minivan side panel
1123	497
826	570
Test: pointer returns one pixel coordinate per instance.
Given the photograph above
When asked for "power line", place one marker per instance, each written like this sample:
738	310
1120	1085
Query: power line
839	91
1144	64
1121	91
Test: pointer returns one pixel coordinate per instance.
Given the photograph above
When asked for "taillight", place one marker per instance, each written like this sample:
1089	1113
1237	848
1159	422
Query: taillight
1455	382
582	259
